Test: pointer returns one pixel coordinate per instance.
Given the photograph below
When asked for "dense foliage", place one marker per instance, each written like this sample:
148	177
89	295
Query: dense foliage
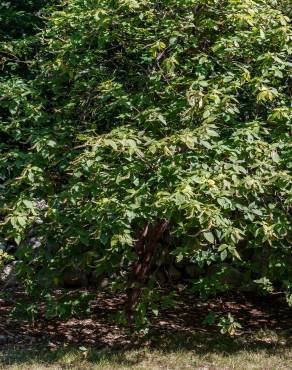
134	129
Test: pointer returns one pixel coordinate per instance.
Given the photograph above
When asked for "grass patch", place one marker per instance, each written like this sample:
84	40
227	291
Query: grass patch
264	350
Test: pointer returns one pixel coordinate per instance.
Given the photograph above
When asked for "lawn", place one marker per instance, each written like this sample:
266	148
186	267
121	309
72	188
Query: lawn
265	350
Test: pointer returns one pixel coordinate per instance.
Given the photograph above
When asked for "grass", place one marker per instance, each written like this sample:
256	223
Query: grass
264	350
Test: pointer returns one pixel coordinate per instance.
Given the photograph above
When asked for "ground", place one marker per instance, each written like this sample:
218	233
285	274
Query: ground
178	339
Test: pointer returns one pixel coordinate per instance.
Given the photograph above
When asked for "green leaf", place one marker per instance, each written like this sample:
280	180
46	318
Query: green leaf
21	220
28	203
223	254
275	157
209	236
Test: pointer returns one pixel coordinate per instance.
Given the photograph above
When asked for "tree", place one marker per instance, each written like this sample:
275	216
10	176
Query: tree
145	126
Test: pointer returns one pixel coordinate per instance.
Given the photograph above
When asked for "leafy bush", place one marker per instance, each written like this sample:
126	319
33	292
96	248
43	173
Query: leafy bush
127	125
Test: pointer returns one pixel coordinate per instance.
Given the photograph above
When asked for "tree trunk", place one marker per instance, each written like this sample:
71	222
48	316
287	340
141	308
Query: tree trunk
144	247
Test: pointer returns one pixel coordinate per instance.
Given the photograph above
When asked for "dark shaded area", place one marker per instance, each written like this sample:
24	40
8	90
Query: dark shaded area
178	328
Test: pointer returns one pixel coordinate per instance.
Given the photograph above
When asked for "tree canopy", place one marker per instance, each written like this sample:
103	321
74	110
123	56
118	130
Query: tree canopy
129	128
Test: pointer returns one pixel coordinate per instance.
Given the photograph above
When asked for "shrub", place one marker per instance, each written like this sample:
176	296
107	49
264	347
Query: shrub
130	125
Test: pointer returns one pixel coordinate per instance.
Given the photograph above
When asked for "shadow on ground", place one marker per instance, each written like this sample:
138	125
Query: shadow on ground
267	327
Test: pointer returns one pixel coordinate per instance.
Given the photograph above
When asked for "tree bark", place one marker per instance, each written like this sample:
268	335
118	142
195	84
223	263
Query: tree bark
145	246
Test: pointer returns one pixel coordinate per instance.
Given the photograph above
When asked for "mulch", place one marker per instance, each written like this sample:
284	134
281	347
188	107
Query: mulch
98	328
